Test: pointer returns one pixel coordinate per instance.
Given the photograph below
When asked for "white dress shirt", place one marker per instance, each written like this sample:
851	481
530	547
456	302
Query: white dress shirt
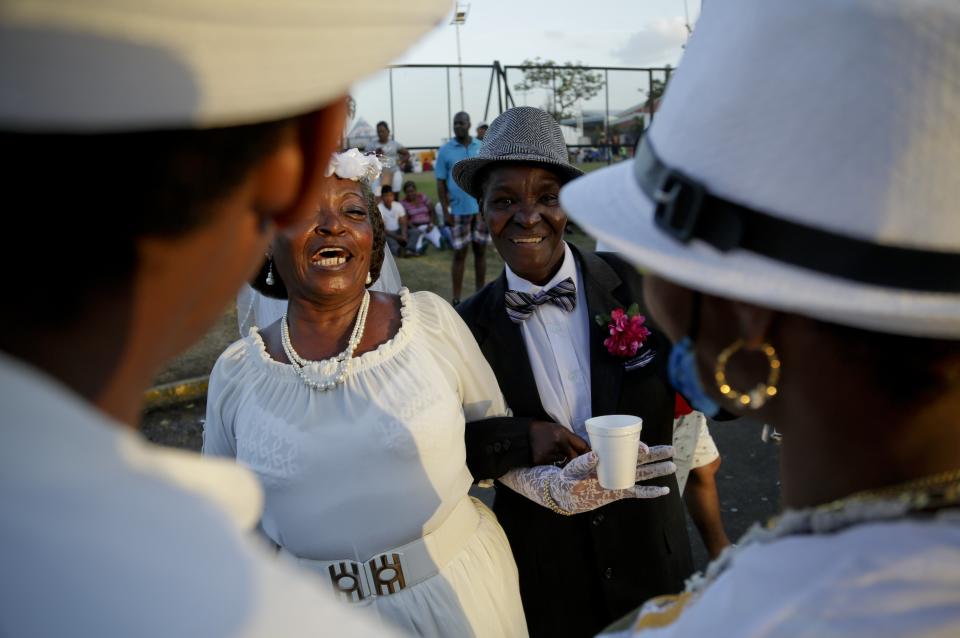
103	532
392	215
559	349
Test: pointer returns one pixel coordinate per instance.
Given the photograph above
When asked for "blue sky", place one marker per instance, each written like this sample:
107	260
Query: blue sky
601	33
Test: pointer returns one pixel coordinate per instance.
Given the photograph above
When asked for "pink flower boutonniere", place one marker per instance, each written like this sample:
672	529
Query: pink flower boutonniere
627	332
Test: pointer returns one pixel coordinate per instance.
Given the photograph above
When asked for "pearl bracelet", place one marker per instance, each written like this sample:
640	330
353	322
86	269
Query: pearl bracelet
552	504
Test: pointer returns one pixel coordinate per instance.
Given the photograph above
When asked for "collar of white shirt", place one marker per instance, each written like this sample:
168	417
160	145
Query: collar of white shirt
558	349
45	428
567	269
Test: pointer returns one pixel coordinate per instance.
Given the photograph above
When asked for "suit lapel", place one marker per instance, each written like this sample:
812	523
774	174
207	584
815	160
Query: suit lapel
606	372
507	353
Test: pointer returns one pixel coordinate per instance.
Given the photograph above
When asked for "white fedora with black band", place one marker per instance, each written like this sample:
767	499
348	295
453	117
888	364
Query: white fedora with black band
806	158
93	66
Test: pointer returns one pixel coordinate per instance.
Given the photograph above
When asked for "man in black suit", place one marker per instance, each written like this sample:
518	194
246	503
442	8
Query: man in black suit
536	326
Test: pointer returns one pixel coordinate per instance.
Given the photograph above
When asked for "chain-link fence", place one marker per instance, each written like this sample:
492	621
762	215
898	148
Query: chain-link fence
603	111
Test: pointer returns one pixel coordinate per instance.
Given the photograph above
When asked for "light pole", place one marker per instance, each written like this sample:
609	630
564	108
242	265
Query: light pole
460	17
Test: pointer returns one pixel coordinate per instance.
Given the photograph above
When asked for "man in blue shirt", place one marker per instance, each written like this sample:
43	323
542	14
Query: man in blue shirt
461	212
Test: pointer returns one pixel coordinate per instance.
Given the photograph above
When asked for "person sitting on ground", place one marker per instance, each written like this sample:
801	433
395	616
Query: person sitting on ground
420	216
401	238
181	164
803	252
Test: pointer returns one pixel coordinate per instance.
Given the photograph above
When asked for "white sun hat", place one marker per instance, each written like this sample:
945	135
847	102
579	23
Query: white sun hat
806	158
121	65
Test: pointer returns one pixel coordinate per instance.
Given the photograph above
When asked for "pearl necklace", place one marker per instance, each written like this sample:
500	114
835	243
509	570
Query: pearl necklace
342	360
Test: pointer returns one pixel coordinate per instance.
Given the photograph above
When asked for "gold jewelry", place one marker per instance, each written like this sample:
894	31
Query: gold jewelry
927	491
923	495
552	504
759	395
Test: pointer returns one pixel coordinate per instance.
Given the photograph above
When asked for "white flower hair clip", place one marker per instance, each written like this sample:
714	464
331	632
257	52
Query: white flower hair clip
354	165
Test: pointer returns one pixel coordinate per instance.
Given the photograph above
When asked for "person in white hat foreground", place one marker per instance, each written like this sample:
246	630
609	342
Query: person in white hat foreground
796	202
151	152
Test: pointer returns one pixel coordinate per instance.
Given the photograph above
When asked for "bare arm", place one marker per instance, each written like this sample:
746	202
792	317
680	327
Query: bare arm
703	504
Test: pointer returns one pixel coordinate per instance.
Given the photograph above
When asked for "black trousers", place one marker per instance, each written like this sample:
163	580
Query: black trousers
580	573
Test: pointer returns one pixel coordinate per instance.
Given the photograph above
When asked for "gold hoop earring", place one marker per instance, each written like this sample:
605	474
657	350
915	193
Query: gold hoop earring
755	398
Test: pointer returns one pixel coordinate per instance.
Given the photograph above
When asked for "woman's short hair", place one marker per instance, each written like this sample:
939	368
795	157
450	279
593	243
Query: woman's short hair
407	184
383	124
279	290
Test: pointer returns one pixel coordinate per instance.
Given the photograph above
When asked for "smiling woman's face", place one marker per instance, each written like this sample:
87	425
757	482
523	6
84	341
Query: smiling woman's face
330	254
521	205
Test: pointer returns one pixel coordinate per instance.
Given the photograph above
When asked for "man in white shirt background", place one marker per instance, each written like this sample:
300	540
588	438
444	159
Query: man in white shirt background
401	238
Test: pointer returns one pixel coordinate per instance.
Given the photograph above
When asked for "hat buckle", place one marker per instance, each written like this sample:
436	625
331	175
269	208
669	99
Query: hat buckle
679	201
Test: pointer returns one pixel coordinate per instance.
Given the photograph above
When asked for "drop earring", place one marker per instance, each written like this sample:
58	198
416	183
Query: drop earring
369	279
269	279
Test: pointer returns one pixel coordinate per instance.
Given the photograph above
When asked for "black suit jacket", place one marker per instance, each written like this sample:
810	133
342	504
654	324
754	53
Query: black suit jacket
579	573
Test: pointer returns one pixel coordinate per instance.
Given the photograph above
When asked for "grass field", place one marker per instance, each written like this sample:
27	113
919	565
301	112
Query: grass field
429	272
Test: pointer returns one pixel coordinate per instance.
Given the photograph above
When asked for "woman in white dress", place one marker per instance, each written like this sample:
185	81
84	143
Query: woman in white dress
361	455
351	411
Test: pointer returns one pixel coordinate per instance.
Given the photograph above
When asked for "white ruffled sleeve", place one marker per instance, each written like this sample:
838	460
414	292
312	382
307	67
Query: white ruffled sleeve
219	438
479	392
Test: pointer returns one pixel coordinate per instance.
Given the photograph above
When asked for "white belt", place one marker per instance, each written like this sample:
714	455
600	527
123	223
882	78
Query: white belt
396	569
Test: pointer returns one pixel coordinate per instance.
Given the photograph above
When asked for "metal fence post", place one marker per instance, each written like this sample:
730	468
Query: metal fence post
449	107
606	114
392	125
650	100
500	76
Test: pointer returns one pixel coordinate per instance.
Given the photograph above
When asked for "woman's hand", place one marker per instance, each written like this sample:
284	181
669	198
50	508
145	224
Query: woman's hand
551	443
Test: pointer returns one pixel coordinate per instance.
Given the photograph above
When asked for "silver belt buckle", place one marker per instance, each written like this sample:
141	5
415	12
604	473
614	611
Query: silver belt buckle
355	582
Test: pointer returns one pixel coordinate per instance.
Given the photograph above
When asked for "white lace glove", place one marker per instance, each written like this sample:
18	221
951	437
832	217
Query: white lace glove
575	488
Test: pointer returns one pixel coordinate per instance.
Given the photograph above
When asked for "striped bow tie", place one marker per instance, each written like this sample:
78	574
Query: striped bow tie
520	305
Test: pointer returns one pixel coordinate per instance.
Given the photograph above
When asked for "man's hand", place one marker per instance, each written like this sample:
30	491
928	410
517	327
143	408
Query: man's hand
551	443
576	488
448	219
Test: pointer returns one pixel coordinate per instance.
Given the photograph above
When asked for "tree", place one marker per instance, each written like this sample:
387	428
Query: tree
569	83
656	87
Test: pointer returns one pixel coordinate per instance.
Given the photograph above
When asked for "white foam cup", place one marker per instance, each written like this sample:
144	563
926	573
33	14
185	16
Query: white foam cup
616	440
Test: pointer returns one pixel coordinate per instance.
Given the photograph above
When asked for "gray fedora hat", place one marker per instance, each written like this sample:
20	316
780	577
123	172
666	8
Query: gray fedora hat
521	134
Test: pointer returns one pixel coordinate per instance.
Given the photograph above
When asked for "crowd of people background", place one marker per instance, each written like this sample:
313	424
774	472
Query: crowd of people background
800	252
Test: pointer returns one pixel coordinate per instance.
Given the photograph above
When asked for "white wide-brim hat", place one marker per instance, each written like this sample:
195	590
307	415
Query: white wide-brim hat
824	135
122	65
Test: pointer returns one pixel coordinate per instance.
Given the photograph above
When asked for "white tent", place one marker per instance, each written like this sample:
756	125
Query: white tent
362	135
